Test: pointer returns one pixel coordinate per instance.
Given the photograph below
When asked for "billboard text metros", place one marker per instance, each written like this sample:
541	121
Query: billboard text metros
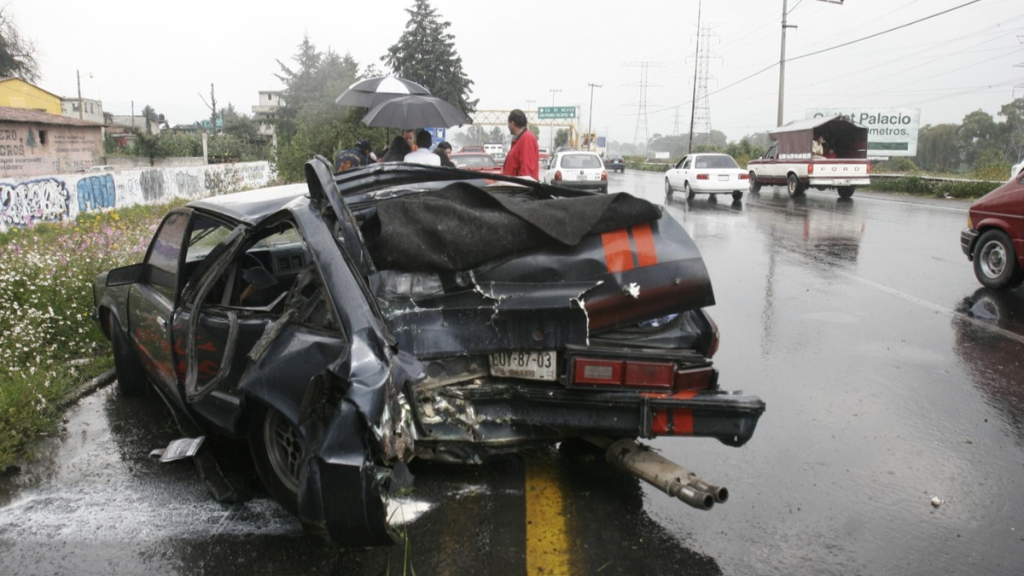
891	131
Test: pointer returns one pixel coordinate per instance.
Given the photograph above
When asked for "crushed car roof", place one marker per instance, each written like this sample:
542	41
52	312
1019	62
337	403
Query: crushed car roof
254	205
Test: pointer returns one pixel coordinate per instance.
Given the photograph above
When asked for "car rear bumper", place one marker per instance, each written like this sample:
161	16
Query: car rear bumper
510	415
967	238
833	182
591	185
719	187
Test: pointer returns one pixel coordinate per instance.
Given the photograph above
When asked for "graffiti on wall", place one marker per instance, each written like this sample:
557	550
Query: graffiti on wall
96	193
32	201
63	197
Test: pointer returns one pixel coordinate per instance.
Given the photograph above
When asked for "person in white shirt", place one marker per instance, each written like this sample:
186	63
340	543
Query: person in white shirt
422	154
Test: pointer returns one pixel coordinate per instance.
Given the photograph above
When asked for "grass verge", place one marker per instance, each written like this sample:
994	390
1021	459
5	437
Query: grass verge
49	344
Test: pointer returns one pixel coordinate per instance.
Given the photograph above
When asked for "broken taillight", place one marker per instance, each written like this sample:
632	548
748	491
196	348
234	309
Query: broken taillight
640	374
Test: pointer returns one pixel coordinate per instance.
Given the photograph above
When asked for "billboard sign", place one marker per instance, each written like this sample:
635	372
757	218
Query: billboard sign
891	131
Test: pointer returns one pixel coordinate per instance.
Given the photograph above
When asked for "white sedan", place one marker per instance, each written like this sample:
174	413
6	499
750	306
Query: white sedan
707	174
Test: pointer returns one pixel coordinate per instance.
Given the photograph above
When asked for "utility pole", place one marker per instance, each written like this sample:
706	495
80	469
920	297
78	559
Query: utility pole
551	131
696	65
590	119
79	75
782	56
782	63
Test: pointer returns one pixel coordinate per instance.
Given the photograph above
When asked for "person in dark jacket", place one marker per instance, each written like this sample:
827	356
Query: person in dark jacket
349	159
524	157
443	150
397	151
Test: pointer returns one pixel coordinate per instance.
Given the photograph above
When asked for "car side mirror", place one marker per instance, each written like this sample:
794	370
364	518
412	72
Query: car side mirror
126	275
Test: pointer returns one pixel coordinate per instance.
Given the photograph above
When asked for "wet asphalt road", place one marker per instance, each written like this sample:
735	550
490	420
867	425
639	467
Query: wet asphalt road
891	376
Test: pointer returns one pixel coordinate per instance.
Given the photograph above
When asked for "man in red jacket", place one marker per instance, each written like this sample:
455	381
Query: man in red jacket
523	158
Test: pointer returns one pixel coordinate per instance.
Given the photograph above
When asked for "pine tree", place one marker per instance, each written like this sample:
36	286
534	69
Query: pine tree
425	53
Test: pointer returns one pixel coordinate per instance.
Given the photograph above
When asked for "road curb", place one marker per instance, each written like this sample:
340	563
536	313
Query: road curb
85	389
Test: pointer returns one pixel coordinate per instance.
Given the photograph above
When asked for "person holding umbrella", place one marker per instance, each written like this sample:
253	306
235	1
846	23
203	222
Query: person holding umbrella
524	157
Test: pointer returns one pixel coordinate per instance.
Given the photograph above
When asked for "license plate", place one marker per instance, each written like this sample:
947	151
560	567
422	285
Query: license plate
540	365
723	177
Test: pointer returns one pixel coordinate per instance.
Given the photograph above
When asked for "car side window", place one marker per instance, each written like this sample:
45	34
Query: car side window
164	258
686	163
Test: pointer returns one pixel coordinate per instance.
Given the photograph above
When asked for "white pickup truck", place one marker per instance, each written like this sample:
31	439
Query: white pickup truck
792	162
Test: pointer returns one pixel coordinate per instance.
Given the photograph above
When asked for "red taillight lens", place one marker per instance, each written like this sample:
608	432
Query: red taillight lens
604	175
694	379
810	168
629	373
650	374
597	372
702	176
869	167
744	176
558	175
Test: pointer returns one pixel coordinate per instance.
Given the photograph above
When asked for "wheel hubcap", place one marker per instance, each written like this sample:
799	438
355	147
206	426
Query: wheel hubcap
284	449
993	259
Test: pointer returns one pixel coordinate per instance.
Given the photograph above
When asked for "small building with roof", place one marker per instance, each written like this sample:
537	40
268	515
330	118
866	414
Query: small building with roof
34	143
16	93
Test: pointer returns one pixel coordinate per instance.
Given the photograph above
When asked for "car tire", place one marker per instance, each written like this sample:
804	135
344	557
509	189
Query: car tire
277	451
995	261
690	194
604	189
793	185
754	186
845	191
668	189
737	195
131	378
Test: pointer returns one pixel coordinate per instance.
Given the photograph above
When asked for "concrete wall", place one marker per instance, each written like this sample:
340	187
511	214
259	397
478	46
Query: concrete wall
129	162
24	202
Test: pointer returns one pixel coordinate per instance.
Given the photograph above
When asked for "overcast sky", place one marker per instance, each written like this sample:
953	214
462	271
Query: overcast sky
165	54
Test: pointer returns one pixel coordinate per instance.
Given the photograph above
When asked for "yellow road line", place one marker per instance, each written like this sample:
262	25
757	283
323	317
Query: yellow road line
547	539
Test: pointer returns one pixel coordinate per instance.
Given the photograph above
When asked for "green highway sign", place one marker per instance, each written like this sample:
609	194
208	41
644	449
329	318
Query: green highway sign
552	112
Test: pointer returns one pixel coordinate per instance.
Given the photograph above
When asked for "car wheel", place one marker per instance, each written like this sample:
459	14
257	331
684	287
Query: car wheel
754	185
277	451
668	189
690	194
131	378
793	185
995	261
604	189
737	195
845	191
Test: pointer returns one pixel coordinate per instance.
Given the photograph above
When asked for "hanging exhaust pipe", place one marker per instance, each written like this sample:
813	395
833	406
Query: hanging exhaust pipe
665	475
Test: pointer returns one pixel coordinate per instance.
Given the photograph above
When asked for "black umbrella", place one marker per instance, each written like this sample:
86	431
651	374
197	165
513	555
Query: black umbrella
415	112
372	91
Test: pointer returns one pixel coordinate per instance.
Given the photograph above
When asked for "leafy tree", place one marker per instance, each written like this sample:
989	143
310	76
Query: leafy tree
425	53
937	148
311	123
1014	114
979	136
561	137
17	54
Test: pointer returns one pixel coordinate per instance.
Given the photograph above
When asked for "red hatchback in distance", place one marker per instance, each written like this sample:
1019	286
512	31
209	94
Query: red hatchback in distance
994	237
476	162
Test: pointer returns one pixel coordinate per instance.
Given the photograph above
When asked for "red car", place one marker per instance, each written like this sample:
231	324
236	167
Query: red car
476	162
994	237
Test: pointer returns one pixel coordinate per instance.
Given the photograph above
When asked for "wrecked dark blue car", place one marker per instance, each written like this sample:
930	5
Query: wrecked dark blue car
351	324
